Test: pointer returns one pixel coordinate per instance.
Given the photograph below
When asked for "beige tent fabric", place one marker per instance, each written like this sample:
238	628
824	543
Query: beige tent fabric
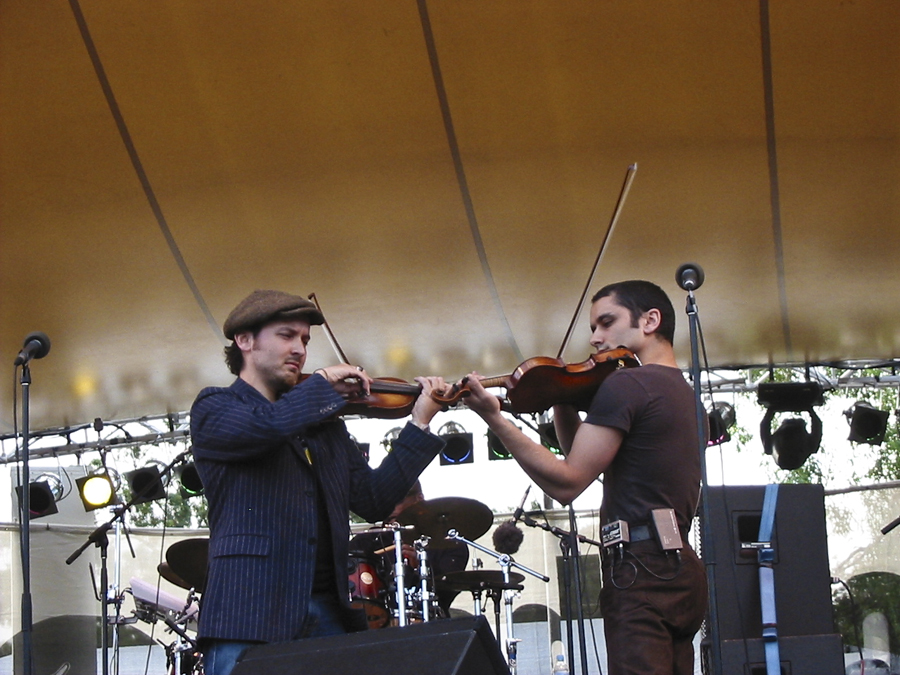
441	175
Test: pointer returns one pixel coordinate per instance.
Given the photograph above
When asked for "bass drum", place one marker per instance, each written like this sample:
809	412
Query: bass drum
367	592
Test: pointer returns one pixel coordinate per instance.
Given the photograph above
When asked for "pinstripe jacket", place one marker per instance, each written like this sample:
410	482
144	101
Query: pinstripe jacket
262	495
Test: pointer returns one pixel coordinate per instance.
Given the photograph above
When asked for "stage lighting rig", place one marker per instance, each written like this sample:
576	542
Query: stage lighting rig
190	484
97	490
721	419
868	424
43	493
146	484
496	449
458	448
791	444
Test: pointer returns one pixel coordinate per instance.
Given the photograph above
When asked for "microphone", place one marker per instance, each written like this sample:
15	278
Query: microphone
508	537
518	513
689	276
37	346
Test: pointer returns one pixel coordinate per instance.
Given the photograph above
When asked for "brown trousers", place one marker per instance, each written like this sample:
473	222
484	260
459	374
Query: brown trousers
652	607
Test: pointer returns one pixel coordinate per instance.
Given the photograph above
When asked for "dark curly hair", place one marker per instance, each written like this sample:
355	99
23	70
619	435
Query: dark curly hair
234	359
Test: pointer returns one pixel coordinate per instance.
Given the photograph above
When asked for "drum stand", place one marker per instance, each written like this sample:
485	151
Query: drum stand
175	652
176	662
424	576
400	574
506	563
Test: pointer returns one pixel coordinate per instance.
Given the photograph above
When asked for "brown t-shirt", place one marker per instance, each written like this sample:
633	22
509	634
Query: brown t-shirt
658	463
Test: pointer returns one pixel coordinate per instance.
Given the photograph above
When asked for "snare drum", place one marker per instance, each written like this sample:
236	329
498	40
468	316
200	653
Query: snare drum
367	592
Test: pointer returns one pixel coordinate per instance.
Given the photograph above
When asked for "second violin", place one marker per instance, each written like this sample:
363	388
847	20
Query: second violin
539	383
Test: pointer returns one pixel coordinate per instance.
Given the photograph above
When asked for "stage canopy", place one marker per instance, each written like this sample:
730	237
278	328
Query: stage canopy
441	174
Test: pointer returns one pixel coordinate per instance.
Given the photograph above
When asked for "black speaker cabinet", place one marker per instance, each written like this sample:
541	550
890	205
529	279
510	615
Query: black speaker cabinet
802	574
464	646
799	655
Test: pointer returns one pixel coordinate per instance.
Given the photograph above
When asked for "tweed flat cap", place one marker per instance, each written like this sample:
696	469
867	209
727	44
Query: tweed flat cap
260	307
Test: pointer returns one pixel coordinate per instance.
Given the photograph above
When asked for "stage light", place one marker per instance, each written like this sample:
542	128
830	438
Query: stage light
791	444
549	438
189	481
96	490
496	449
721	419
458	445
868	424
146	484
43	493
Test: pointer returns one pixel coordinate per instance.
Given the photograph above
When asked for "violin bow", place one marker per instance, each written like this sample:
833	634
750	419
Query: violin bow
623	193
328	333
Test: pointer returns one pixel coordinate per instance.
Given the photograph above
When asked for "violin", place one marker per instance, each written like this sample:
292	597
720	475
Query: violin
389	398
536	385
539	383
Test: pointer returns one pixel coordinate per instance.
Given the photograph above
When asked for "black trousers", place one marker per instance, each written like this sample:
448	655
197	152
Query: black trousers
653	604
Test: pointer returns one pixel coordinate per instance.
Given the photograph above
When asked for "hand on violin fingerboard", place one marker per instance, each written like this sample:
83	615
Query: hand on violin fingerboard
478	398
426	406
349	381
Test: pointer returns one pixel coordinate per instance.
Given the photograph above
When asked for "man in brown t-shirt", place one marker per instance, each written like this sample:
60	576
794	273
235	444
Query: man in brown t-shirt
641	434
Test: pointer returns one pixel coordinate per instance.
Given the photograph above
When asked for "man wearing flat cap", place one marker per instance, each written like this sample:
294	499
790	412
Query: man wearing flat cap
280	474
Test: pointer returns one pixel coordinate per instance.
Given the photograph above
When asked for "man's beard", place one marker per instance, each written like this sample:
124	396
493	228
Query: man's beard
282	383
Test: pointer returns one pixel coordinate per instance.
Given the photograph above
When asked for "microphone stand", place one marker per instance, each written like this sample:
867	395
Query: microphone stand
706	537
100	539
575	561
25	529
568	542
568	545
506	562
890	526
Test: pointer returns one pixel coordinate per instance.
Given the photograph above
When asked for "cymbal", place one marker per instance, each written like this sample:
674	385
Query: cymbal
187	560
479	580
436	517
166	573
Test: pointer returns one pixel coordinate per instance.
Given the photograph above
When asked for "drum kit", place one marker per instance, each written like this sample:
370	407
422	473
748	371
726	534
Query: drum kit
433	538
185	567
399	590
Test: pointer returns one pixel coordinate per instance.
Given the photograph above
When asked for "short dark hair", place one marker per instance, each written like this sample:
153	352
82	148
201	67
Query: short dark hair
234	358
641	296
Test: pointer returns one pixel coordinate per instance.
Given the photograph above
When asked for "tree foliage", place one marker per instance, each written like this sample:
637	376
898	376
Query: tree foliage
873	592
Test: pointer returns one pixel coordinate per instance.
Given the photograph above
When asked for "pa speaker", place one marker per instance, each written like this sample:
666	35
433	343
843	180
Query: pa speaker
464	646
798	655
802	575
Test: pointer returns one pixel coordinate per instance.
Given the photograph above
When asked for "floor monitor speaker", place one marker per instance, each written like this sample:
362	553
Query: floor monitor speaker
798	655
464	646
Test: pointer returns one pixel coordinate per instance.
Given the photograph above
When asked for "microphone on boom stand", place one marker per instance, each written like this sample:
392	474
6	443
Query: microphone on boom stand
689	277
508	536
37	346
